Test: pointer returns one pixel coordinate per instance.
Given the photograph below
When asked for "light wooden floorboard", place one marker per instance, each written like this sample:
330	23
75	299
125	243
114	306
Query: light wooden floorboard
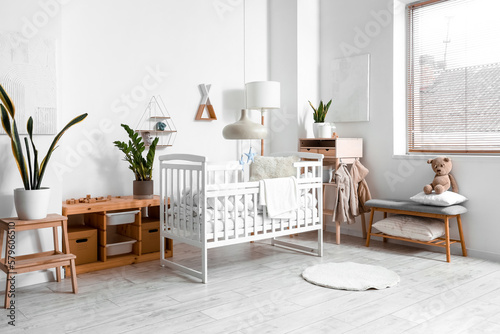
257	288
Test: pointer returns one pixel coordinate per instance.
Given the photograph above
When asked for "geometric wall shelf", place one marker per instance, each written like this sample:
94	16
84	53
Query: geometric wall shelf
156	122
205	102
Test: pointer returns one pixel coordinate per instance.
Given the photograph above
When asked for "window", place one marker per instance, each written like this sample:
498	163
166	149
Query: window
453	78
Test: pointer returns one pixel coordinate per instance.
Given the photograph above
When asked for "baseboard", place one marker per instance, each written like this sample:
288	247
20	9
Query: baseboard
32	278
483	255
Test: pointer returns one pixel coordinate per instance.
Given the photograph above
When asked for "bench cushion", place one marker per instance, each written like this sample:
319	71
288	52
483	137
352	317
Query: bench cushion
416	207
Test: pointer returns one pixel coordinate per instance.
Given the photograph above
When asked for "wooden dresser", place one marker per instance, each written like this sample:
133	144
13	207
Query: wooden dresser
128	231
334	149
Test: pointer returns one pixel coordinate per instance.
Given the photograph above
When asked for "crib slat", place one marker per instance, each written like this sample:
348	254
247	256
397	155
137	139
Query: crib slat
198	206
246	215
226	215
179	203
176	198
191	205
235	216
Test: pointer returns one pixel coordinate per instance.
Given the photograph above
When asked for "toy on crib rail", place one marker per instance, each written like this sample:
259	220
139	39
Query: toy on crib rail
88	199
443	180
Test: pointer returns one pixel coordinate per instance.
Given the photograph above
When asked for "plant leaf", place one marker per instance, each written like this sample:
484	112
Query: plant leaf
17	150
328	106
29	160
16	147
7	102
52	147
6	121
311	105
36	175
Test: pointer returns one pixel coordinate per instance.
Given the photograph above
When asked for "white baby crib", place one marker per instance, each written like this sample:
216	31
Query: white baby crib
210	205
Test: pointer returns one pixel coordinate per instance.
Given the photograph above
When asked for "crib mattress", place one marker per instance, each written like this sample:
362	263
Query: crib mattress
218	226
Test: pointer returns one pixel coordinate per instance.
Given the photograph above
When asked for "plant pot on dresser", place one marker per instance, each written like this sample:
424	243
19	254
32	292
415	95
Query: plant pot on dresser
143	189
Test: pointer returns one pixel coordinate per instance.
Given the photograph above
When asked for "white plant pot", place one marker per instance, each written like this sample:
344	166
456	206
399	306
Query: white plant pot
31	204
322	130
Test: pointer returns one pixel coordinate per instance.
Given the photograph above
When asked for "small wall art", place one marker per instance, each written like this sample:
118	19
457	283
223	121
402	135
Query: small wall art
205	103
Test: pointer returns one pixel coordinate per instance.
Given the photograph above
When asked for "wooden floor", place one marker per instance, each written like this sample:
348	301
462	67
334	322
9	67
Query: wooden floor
257	288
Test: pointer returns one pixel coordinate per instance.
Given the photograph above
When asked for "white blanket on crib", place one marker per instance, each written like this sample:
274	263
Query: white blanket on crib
279	195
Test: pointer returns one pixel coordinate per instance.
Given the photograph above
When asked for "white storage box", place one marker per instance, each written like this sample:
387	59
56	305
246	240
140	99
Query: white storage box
119	244
123	217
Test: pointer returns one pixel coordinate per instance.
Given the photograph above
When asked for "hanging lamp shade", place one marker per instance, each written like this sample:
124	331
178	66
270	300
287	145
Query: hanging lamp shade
263	95
245	128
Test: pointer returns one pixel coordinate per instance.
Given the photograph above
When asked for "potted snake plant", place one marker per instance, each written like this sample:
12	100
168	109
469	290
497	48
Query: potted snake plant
320	128
31	201
143	186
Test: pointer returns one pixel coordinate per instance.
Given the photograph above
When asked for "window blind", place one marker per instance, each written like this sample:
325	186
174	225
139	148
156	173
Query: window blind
453	76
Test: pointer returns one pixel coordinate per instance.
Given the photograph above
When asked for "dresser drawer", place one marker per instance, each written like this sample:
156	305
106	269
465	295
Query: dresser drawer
309	150
330	152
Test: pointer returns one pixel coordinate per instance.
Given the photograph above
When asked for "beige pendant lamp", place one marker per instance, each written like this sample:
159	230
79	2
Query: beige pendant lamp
245	128
260	95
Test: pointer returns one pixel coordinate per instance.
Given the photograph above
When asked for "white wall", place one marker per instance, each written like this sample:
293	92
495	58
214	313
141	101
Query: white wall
35	22
109	48
361	26
114	55
294	62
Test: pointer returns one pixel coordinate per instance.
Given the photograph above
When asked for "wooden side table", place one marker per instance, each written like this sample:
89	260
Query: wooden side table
13	265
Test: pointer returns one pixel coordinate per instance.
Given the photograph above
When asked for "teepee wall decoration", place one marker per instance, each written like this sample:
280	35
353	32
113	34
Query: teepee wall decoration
205	102
156	122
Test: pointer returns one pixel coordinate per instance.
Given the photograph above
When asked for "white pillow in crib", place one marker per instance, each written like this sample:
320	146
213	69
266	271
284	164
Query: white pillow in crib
412	227
272	167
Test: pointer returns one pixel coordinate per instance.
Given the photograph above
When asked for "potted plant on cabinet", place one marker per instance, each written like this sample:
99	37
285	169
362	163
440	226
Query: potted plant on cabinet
143	186
320	128
32	201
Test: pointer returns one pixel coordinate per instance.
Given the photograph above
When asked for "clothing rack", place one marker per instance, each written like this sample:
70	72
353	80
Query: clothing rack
335	151
330	201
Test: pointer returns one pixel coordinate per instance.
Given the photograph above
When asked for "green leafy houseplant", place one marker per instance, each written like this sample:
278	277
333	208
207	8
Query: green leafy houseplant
31	172
320	113
142	167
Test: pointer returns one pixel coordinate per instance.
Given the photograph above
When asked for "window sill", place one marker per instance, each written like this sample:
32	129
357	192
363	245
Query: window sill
455	157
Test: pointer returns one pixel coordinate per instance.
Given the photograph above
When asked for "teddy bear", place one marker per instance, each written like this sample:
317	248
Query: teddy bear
443	180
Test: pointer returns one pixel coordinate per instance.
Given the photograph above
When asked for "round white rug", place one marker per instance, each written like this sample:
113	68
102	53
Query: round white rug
350	276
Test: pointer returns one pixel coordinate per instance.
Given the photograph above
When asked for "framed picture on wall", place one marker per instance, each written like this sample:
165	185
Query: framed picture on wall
350	89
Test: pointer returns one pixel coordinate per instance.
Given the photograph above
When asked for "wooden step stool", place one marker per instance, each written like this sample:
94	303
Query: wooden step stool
13	265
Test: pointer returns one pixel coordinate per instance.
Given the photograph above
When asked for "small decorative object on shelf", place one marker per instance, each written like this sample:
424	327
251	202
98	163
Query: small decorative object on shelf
88	199
160	126
147	138
205	102
156	123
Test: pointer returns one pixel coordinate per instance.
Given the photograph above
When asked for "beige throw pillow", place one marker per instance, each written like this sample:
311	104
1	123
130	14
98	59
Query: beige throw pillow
272	167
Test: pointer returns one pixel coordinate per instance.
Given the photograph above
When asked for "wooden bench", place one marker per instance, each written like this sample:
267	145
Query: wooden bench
419	210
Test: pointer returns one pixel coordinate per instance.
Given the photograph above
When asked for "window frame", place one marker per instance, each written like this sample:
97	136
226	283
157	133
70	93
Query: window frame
402	17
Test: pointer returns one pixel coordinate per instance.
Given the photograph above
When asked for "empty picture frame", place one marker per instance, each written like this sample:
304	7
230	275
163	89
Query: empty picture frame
350	89
28	74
